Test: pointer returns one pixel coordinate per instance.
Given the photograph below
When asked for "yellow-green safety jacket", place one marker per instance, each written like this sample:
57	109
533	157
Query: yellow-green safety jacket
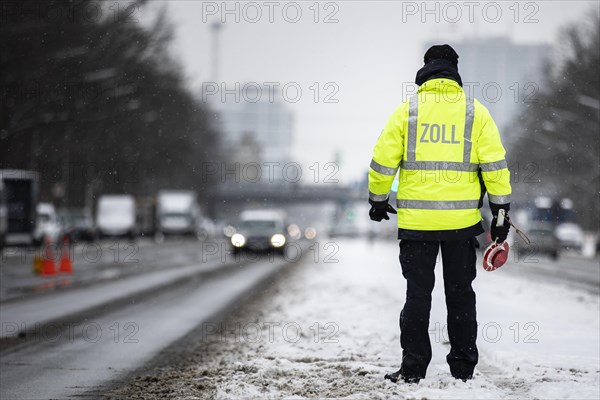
439	139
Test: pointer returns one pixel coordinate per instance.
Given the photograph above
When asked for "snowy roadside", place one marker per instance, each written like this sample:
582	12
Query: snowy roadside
330	330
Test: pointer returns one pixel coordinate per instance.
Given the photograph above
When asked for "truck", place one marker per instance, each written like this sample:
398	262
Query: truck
116	216
177	213
3	216
18	201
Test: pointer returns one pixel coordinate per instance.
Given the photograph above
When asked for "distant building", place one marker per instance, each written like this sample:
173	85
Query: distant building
501	73
265	125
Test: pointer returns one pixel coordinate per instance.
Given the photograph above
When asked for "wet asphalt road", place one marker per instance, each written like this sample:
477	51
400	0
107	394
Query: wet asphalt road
59	362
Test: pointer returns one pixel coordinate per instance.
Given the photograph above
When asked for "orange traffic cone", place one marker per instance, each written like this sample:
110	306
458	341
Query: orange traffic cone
37	263
66	267
48	268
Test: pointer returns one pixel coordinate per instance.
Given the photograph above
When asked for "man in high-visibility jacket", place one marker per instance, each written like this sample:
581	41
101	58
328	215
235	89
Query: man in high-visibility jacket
448	150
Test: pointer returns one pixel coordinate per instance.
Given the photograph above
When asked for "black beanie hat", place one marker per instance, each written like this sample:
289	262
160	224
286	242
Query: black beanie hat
441	52
441	61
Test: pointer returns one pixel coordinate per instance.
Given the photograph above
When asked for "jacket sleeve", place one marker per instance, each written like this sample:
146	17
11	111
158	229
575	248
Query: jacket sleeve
491	155
387	155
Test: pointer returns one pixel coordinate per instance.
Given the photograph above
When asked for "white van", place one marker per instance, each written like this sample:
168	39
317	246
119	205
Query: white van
115	216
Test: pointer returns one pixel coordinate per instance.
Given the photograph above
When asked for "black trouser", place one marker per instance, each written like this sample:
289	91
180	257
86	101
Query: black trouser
418	259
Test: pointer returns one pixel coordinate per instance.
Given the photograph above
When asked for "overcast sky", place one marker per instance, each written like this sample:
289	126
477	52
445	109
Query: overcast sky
368	50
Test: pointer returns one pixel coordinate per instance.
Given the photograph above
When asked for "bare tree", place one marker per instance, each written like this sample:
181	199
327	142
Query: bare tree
95	103
559	133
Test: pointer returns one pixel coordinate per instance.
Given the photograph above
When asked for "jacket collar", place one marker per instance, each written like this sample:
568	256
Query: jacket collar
440	85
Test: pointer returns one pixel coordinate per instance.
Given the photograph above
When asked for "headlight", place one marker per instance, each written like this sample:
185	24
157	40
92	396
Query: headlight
294	231
238	240
277	240
310	233
228	231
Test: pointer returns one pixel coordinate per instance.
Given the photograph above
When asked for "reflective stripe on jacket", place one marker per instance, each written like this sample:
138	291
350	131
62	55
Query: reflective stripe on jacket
438	140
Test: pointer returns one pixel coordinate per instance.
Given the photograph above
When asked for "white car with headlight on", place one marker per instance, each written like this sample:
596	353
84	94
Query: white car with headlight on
570	236
260	231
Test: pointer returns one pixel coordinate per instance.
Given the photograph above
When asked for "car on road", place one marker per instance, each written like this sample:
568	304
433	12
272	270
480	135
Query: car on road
177	213
260	231
543	241
78	224
570	236
116	216
47	225
205	228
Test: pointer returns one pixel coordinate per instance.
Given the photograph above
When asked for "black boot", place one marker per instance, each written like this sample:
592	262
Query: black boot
462	375
394	377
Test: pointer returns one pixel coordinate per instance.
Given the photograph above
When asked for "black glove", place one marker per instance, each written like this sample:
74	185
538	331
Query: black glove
499	233
379	210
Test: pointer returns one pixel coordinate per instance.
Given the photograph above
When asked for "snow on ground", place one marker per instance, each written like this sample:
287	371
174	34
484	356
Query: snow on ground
329	329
